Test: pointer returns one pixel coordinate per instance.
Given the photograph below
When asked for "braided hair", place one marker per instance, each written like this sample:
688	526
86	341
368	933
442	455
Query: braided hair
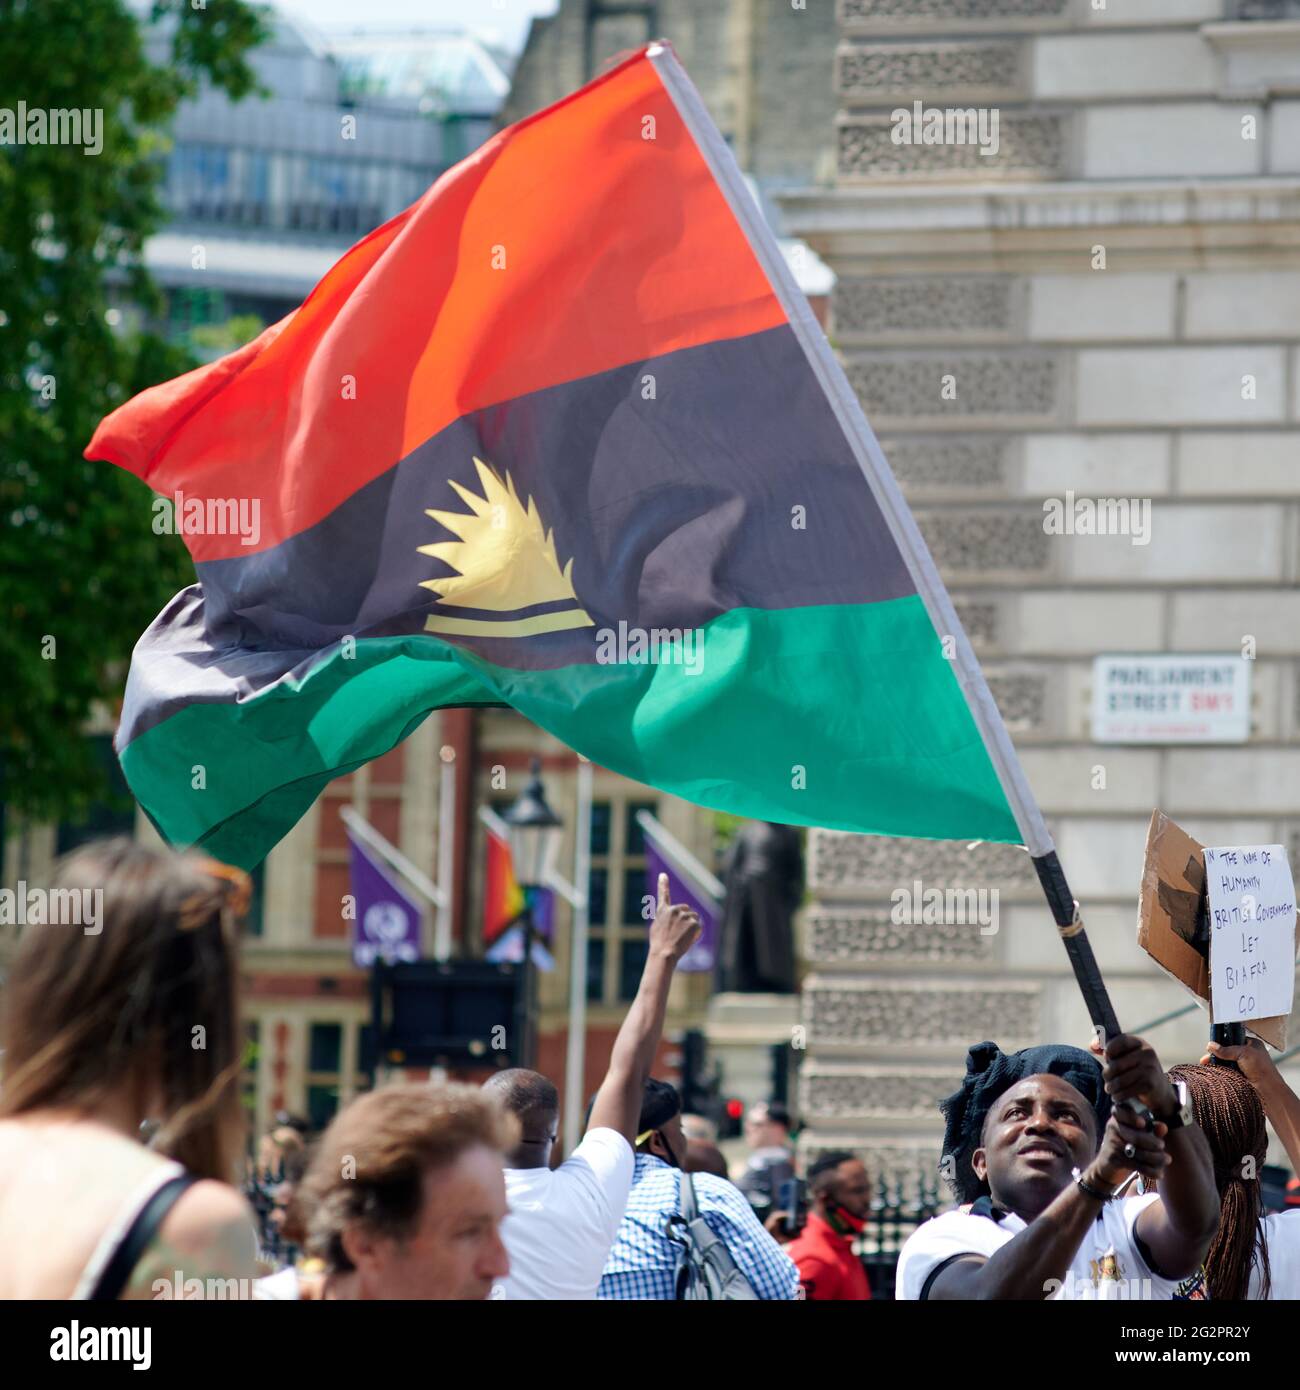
1229	1112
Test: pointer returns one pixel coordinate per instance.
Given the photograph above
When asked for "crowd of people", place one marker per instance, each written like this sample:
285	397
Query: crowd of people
1075	1173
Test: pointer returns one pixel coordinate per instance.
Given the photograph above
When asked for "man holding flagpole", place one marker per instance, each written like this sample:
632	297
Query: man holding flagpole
1039	1149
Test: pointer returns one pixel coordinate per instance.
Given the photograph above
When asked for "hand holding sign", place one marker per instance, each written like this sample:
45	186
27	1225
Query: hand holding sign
1180	876
1252	932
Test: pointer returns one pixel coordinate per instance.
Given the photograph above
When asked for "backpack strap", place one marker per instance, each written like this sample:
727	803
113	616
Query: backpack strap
678	1230
686	1197
117	1271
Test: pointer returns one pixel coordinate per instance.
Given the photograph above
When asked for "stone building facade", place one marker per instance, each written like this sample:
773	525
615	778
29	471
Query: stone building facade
762	67
1112	297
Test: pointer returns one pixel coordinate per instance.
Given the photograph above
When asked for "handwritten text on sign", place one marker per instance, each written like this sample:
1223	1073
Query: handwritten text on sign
1252	932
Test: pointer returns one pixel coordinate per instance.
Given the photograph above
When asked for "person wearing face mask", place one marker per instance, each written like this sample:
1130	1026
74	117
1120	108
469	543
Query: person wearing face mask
840	1201
643	1261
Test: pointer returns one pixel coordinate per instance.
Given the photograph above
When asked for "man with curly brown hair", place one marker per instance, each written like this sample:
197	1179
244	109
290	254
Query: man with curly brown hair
404	1198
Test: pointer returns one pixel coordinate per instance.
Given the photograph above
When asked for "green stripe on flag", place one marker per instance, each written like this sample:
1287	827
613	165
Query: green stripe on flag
847	717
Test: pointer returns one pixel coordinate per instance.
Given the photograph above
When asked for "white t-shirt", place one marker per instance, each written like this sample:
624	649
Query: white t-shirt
281	1286
1282	1235
1107	1264
563	1220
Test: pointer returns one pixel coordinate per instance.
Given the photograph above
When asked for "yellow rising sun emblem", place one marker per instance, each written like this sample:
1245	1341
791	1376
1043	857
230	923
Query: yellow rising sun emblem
506	562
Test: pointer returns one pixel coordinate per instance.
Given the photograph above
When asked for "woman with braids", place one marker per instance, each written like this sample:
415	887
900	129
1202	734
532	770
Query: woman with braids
1255	1255
1230	1115
128	1019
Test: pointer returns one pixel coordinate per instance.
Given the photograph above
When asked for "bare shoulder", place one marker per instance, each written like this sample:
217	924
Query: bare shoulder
208	1236
212	1218
208	1205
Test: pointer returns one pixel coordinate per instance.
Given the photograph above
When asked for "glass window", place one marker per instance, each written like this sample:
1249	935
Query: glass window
325	1047
631	961
635	839
253	925
257	187
595	970
600	822
635	888
597	896
322	1102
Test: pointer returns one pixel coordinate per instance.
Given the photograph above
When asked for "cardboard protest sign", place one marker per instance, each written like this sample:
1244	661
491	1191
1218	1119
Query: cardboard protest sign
1252	932
1170	899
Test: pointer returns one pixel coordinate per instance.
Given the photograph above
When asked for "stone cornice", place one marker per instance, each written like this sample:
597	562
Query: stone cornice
1189	221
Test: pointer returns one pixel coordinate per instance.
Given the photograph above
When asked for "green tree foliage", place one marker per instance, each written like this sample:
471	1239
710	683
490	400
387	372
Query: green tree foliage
81	571
217	339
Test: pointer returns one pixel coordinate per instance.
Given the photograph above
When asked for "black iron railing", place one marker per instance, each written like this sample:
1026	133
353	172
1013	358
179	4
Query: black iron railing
902	1202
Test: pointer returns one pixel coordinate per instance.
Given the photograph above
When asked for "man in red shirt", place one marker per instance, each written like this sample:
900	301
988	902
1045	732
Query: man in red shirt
839	1194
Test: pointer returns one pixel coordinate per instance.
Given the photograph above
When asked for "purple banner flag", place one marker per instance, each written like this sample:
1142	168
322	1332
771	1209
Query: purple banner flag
684	889
541	903
387	924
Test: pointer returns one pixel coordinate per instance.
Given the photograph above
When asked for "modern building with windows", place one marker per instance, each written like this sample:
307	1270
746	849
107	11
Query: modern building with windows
265	194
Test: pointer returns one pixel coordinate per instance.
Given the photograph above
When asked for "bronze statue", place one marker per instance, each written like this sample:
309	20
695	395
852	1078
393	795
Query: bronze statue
764	882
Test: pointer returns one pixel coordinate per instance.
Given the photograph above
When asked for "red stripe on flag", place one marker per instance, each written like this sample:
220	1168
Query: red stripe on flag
503	899
588	236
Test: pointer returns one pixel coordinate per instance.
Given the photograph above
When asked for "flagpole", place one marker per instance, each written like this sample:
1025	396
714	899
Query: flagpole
678	852
446	845
853	422
576	1057
367	834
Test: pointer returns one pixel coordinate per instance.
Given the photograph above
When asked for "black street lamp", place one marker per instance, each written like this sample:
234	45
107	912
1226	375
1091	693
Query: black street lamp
534	838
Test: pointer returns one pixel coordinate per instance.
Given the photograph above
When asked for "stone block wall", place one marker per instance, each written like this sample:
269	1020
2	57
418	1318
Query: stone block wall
1114	294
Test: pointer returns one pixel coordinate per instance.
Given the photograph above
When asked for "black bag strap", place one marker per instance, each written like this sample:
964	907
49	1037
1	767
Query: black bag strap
115	1274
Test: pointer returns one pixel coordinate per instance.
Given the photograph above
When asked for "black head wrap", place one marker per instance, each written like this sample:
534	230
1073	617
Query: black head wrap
990	1073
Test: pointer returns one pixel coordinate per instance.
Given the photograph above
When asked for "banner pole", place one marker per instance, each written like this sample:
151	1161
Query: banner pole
368	835
446	842
866	449
579	945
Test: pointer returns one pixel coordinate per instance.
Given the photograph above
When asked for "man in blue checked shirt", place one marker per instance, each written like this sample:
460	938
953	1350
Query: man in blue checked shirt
643	1261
